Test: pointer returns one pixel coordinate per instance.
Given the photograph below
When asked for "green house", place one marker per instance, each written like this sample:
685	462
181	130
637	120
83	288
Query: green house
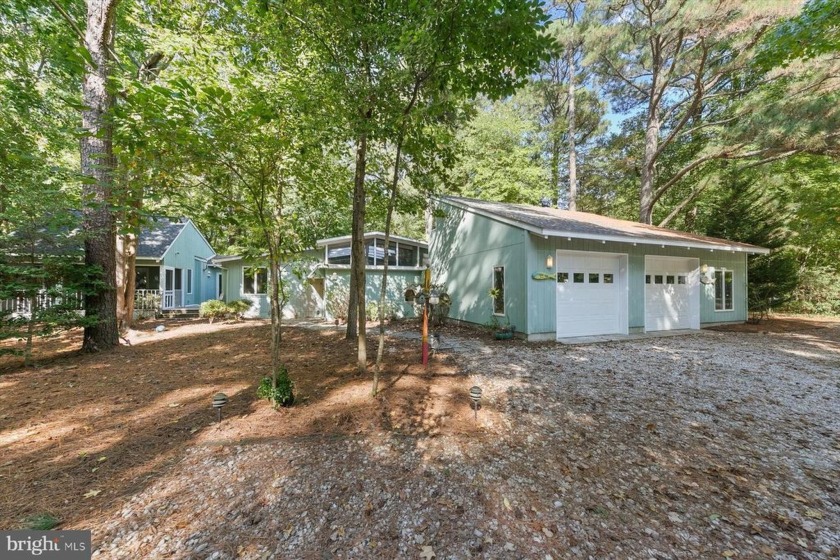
557	274
173	269
316	283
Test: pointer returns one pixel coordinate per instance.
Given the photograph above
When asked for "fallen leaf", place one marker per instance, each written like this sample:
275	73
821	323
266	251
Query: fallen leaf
92	493
813	513
103	458
427	553
729	553
507	503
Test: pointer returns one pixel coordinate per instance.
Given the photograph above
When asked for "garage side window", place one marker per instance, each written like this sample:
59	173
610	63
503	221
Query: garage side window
723	290
498	290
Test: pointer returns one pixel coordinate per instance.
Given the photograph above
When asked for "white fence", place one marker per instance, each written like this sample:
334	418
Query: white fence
22	305
147	300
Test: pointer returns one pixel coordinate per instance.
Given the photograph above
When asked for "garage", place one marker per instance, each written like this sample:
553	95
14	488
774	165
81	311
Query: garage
671	293
591	293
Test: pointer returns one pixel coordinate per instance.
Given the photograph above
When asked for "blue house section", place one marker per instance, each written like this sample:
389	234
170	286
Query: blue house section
174	268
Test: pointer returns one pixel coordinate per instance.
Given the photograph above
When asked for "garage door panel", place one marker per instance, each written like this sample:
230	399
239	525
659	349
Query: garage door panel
669	293
590	307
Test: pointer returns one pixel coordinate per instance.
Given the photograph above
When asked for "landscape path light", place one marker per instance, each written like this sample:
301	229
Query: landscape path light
219	400
475	397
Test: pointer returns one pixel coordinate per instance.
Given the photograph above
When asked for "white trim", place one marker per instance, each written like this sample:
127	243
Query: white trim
724	270
256	284
615	238
189	281
343	238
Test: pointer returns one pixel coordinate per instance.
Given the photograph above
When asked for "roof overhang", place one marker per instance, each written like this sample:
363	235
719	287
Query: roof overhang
372	234
632	239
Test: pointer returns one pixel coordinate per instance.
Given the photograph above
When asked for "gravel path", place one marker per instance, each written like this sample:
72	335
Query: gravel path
713	445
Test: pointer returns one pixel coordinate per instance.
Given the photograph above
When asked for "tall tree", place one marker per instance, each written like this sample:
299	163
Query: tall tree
677	62
373	52
98	164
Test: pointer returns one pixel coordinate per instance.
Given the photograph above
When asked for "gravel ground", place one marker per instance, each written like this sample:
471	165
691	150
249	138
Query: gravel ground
713	445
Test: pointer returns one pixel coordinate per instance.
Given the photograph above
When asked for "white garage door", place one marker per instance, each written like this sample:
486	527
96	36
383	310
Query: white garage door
589	295
670	291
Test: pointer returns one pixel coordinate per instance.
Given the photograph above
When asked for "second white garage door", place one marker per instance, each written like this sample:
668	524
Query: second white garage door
671	294
591	294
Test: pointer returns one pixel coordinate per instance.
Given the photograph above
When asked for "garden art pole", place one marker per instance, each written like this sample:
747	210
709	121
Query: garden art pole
427	280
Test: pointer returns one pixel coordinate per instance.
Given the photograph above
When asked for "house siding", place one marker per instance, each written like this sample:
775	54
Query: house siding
542	294
337	281
464	249
185	253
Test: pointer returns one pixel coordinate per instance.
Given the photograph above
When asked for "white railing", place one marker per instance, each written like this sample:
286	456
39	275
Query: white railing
147	300
22	305
168	299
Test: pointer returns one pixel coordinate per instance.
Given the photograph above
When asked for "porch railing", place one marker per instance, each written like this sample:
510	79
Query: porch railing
22	305
147	300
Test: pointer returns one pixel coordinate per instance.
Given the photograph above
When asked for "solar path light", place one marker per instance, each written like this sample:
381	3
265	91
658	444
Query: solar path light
219	400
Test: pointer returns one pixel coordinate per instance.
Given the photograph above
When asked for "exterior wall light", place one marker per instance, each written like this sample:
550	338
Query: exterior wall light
549	262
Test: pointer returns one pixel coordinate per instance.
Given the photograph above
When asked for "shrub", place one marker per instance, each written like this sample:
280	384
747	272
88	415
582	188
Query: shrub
42	522
216	309
213	309
282	394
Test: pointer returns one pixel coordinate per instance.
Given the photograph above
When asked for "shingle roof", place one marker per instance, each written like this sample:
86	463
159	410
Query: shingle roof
564	223
156	238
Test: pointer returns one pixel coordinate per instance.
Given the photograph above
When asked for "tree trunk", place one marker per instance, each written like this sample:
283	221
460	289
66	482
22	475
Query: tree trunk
126	279
97	158
383	289
276	311
358	259
556	180
649	164
30	330
572	130
352	307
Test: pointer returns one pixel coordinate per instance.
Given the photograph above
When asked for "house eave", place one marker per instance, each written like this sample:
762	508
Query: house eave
683	243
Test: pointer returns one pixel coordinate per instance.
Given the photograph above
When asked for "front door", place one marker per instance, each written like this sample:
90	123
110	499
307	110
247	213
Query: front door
179	287
169	288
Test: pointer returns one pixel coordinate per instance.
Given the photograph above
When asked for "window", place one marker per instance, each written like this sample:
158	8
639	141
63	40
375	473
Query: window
562	277
392	253
147	277
498	290
179	279
338	254
189	280
657	279
669	279
255	280
723	290
608	278
371	248
681	279
647	278
594	277
407	255
577	277
424	254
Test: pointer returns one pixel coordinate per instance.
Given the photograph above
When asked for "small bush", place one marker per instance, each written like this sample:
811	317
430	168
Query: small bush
283	394
41	522
217	309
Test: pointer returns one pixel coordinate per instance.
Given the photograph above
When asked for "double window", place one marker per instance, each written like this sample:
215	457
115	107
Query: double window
498	290
255	280
723	290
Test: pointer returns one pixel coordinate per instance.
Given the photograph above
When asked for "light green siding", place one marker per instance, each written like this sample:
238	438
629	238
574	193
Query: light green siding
464	249
337	282
541	294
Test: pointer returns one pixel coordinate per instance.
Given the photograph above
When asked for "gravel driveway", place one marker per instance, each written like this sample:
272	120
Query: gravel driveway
712	445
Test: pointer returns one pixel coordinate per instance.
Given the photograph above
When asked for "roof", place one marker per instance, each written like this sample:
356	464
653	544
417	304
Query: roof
372	234
553	222
156	238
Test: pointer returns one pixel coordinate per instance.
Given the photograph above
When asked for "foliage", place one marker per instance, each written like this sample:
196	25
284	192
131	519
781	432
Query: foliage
216	309
42	522
373	311
337	298
818	292
280	390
